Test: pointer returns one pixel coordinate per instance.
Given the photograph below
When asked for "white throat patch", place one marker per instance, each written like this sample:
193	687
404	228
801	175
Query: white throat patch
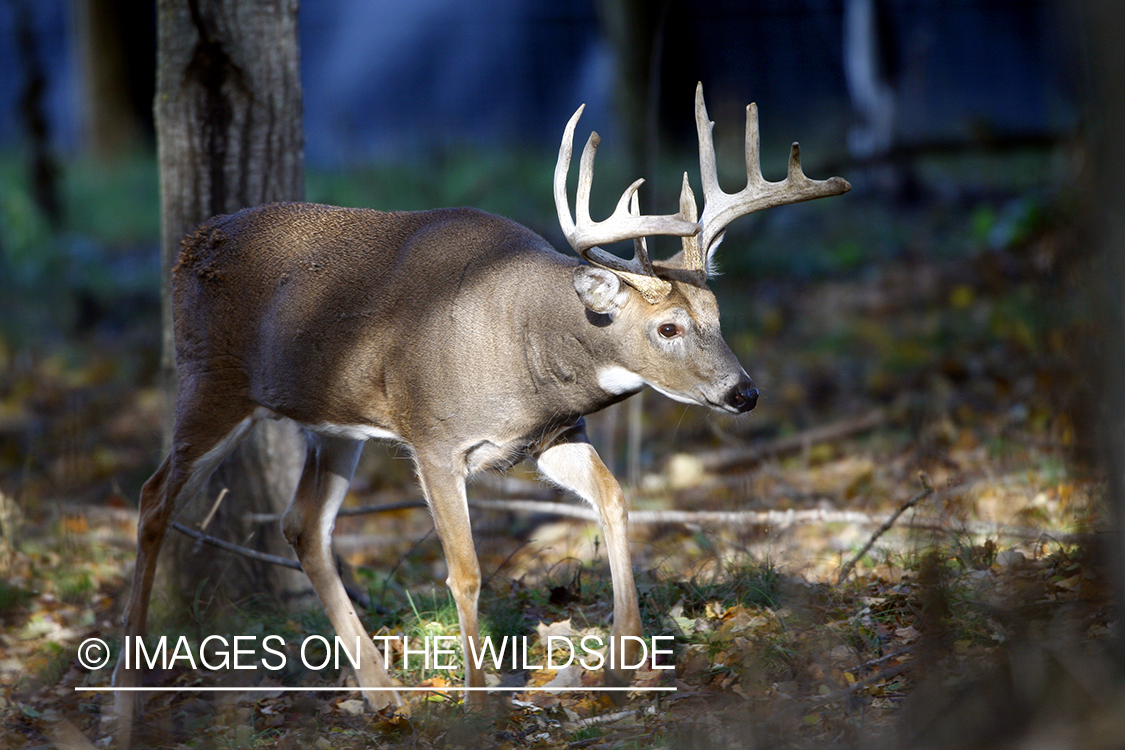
617	380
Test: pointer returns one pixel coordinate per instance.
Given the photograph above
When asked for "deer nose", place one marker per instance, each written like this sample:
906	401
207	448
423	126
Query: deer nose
743	397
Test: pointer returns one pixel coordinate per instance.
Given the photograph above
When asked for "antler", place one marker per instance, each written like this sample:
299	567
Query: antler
720	209
624	224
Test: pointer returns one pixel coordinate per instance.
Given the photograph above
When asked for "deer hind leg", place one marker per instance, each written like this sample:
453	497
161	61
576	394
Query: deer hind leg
573	464
329	465
182	474
445	493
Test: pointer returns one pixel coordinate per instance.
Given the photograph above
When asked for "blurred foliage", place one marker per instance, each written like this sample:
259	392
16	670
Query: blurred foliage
99	268
103	257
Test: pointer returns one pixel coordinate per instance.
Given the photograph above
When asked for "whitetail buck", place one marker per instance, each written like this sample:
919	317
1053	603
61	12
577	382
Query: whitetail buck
461	335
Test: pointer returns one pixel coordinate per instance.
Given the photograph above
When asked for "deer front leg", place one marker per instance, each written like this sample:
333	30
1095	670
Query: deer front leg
573	464
329	465
445	494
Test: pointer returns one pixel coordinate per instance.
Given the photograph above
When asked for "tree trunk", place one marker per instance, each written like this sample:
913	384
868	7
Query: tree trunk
866	74
116	50
43	169
229	135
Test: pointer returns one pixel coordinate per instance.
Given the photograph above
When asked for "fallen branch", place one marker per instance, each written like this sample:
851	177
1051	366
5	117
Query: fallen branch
729	519
927	490
716	517
359	511
908	651
594	721
733	518
253	554
780	518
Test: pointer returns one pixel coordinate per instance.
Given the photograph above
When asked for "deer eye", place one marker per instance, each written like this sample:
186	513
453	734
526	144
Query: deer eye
670	331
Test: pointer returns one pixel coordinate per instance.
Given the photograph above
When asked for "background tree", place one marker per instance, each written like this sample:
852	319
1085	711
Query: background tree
42	168
229	135
117	50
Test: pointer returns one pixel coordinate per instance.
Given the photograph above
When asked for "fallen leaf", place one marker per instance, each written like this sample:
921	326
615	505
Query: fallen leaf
909	634
351	707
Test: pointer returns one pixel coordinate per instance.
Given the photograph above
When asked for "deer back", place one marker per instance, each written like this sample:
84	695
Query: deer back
429	326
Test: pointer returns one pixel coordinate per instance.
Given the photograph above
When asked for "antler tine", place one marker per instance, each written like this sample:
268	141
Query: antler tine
562	169
584	234
693	254
640	244
720	209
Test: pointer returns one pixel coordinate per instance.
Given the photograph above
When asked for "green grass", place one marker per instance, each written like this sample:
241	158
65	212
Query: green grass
745	582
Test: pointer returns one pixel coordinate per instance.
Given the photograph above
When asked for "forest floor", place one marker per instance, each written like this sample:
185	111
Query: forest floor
926	406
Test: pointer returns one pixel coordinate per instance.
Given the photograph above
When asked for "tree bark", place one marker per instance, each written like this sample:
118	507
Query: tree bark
229	135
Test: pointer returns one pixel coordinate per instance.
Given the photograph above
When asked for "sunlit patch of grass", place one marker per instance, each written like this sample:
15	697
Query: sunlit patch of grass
431	609
74	586
504	615
744	582
585	734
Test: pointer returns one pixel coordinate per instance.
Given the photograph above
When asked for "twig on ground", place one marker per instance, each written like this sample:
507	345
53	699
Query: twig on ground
572	510
208	518
214	509
887	657
927	490
863	684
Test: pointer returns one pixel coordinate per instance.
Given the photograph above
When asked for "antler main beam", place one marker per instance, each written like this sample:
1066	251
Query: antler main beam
585	234
720	209
700	240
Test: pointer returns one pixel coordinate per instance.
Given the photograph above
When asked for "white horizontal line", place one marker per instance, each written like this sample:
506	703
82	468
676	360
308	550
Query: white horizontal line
357	690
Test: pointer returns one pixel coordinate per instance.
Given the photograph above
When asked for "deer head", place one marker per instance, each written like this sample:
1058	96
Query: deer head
682	353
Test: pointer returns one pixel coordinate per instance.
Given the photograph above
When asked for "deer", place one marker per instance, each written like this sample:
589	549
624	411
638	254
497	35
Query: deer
460	335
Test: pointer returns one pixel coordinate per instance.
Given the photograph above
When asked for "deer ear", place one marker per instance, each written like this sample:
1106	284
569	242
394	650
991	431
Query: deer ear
599	289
